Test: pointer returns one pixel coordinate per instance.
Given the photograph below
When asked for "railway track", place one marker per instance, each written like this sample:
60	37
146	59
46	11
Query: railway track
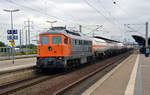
12	77
16	86
79	86
40	84
57	84
13	81
15	75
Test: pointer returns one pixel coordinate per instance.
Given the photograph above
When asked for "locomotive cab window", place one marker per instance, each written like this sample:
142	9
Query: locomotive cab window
56	39
44	40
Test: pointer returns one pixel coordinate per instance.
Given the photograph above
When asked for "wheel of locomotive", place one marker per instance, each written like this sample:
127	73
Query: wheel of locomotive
93	60
76	63
38	70
68	66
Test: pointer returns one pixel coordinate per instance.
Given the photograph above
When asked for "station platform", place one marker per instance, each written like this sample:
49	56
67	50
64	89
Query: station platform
131	77
6	65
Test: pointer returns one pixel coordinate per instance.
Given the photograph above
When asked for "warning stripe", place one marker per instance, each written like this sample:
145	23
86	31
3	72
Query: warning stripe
100	46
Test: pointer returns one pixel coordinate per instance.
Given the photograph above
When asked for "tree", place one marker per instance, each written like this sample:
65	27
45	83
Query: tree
31	46
2	44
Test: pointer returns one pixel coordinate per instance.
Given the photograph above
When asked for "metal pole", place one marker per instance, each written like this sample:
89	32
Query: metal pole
26	42
20	39
29	31
51	25
146	35
93	33
80	28
12	38
51	22
37	34
11	20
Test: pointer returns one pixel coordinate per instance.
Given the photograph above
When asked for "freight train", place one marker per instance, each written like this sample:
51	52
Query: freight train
62	48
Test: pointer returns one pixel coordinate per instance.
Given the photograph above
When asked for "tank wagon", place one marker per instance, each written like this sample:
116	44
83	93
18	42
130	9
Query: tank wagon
100	46
103	47
61	48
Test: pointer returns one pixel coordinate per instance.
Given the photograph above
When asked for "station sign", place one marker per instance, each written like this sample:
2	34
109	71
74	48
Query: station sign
12	32
15	37
12	42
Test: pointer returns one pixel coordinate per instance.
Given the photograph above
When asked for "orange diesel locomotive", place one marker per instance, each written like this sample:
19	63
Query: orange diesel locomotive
61	48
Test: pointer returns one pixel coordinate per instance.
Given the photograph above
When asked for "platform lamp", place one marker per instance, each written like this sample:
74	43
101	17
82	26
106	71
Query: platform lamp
51	22
11	11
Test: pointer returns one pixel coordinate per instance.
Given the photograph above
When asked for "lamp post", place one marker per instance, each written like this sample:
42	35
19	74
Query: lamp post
147	50
12	38
51	22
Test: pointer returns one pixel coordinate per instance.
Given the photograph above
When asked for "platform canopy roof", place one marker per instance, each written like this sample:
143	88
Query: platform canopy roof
140	40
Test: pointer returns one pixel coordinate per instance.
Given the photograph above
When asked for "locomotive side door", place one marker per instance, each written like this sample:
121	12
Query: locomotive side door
66	46
56	45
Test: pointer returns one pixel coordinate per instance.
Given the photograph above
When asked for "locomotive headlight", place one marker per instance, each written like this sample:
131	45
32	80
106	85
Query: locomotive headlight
60	58
49	48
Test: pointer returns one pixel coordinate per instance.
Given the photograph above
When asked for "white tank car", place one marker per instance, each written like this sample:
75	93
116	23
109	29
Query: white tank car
115	46
111	46
120	45
99	46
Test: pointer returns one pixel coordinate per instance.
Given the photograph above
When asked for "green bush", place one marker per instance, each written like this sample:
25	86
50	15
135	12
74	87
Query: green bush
26	52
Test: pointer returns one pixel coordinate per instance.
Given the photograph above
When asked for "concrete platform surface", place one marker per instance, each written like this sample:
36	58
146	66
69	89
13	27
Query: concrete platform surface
19	63
119	81
143	77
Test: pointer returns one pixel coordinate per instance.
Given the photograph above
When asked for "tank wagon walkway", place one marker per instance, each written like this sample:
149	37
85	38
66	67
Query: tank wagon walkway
131	77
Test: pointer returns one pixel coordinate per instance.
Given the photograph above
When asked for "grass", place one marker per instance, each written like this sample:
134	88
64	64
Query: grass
19	53
26	52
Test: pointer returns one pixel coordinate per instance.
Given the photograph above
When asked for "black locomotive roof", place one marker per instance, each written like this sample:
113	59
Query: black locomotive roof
62	29
73	33
58	28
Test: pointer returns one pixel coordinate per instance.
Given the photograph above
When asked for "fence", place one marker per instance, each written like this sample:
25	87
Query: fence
7	51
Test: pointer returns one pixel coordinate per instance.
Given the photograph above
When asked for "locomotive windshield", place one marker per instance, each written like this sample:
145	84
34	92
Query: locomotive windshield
56	39
44	40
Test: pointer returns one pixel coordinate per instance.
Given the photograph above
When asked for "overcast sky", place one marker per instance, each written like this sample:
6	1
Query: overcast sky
88	13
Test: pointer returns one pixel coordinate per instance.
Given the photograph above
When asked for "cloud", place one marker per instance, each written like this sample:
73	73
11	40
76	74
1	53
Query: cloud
74	12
